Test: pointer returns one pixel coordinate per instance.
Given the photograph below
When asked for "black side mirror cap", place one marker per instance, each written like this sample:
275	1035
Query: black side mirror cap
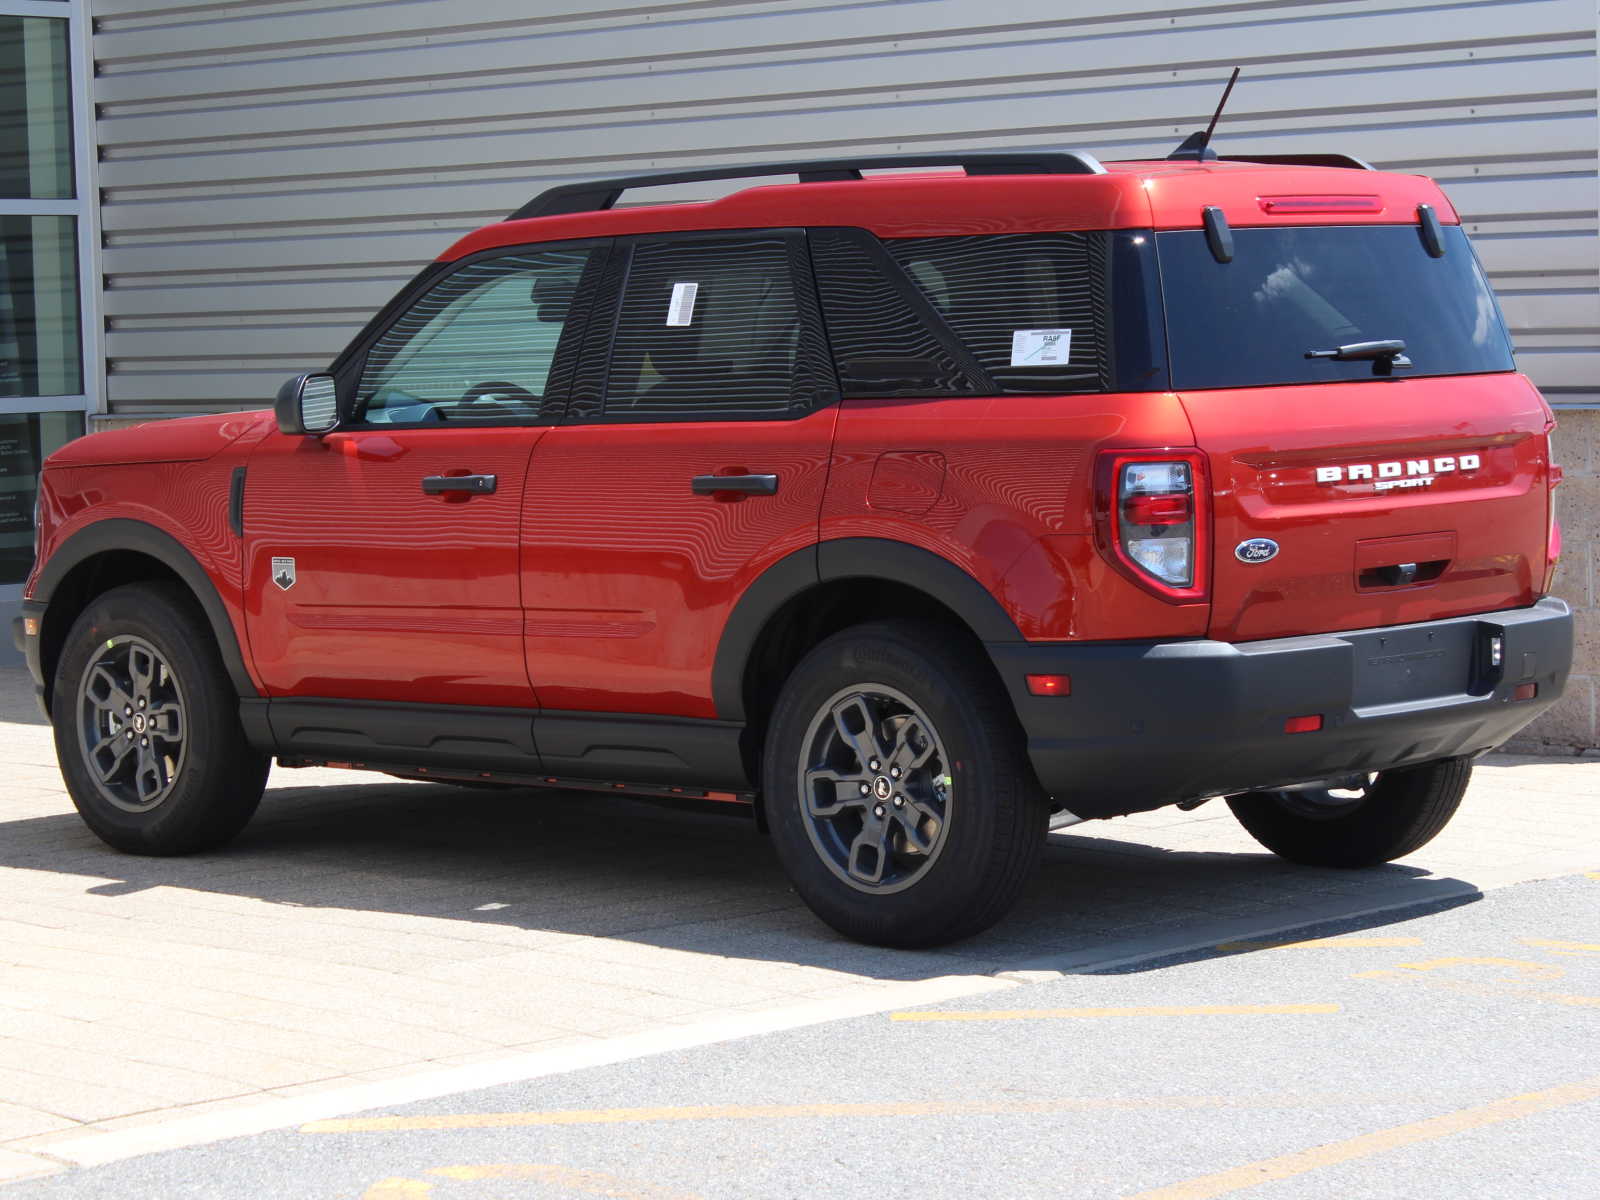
307	406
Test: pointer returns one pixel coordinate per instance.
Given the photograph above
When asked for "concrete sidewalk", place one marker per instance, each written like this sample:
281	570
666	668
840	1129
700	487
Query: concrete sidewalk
366	930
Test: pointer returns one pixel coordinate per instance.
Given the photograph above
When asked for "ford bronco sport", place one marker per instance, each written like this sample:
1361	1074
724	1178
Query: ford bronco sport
923	512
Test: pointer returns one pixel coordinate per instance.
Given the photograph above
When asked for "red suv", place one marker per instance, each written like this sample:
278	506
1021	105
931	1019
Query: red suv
924	512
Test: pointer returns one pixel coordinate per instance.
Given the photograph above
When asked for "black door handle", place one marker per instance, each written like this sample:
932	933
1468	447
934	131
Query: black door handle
474	485
748	485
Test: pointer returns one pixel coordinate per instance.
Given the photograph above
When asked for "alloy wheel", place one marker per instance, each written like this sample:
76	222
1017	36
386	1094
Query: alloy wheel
875	788
132	723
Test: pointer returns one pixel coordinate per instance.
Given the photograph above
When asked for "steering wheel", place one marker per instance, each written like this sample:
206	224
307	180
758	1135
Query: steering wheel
479	392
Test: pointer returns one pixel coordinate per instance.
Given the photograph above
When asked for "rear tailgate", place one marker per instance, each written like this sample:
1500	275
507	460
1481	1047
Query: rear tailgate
1388	501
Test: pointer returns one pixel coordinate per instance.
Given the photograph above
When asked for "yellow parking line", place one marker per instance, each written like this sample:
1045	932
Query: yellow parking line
1535	970
1328	943
397	1188
1140	1010
571	1179
1286	1166
1563	947
768	1112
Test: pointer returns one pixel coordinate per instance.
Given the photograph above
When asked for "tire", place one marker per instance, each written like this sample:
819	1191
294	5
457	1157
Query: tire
144	790
1396	813
950	859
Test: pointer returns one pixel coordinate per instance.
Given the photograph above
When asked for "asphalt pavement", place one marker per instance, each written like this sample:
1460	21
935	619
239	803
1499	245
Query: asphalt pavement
1443	1050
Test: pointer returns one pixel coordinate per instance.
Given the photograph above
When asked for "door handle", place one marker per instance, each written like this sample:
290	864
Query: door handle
747	485
474	485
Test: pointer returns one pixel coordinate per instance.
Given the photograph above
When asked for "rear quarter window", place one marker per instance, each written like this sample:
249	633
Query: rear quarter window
1031	308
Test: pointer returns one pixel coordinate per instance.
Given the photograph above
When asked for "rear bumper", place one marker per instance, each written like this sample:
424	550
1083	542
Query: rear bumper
1153	723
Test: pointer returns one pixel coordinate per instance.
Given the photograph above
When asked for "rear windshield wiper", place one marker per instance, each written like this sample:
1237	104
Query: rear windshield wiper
1384	355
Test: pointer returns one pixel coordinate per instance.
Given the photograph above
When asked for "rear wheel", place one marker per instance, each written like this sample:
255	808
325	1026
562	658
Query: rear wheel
147	726
898	788
1381	818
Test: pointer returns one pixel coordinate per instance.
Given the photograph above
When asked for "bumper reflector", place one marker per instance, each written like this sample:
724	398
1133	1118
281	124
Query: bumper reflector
1525	691
1050	685
1303	724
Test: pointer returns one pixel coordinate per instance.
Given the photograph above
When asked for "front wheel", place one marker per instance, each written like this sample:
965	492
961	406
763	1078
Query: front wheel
898	789
147	726
1385	817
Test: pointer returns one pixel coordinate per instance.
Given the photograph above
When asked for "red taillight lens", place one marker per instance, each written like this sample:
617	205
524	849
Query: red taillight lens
1309	724
1172	509
1153	524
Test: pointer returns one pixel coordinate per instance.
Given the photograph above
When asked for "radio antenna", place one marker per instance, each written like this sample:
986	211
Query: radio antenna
1197	146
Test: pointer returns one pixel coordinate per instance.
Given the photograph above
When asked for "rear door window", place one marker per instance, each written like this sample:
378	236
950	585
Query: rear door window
722	329
1287	292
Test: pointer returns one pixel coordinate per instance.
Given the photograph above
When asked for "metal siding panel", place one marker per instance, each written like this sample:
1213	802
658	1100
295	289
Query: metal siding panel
272	175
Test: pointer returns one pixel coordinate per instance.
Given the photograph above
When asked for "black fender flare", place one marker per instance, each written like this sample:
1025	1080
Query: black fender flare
123	533
846	558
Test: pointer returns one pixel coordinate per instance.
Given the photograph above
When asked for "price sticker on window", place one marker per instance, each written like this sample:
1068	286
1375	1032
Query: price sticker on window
681	310
1040	347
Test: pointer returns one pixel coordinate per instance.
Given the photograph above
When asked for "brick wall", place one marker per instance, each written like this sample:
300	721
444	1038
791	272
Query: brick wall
1574	723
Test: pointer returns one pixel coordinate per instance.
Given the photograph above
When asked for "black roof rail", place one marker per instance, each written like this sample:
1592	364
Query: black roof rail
598	194
1302	160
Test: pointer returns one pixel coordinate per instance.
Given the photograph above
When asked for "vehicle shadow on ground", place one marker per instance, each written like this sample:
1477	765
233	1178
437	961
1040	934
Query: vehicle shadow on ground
576	863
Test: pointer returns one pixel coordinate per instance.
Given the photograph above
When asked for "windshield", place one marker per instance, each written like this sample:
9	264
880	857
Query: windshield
1287	292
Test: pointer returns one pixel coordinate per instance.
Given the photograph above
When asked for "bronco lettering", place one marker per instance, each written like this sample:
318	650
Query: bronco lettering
1410	468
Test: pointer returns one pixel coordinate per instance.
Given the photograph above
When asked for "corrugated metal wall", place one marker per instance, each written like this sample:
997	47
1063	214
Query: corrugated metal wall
272	169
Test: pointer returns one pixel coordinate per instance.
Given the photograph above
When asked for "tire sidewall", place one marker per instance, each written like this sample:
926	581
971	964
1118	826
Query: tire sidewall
1404	809
951	883
160	616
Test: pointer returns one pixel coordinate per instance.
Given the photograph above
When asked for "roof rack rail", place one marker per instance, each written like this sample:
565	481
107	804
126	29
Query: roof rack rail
1303	160
598	194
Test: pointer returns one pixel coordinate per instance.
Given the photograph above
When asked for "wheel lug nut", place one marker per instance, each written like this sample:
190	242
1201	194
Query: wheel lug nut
127	710
141	701
144	741
894	772
865	789
899	801
130	735
877	810
873	765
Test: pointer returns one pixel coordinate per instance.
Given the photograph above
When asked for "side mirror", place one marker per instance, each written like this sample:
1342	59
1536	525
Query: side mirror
307	404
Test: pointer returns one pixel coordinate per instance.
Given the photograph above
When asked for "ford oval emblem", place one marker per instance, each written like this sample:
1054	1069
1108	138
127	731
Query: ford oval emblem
1256	550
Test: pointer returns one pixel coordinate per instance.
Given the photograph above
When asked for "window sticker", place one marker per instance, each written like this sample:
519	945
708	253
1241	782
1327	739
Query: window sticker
1040	347
681	310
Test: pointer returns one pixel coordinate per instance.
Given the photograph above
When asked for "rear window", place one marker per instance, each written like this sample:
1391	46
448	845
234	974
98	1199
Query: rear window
1251	322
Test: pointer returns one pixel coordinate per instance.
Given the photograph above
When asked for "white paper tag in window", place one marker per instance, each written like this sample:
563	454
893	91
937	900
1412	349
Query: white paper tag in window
681	310
1040	347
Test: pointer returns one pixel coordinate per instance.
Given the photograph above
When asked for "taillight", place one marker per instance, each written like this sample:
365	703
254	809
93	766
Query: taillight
1154	524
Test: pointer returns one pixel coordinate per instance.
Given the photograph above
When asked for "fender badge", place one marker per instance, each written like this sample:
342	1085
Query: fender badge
1256	550
283	572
